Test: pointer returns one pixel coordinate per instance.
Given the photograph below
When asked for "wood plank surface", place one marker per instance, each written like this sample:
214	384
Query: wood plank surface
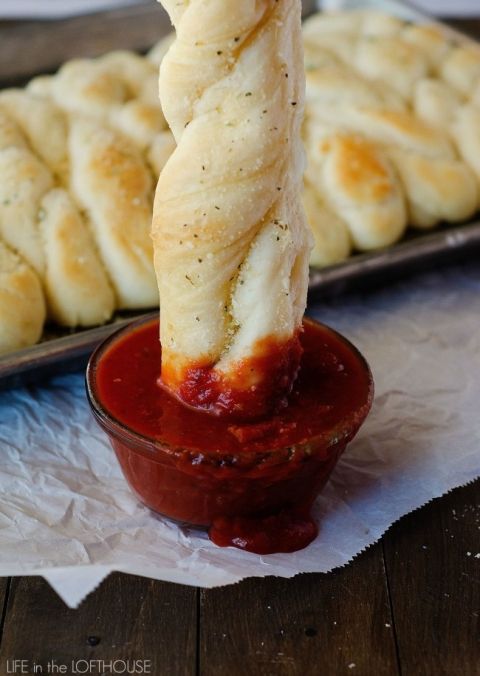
433	568
420	618
4	588
332	624
469	26
338	623
28	48
127	618
31	47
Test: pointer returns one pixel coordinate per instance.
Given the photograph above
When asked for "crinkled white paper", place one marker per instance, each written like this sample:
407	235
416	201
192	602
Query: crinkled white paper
66	512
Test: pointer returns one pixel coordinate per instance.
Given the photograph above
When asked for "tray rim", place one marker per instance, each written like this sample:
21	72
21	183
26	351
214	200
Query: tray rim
423	246
419	249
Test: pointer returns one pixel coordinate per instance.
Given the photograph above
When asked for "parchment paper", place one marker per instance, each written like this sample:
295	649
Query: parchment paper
66	512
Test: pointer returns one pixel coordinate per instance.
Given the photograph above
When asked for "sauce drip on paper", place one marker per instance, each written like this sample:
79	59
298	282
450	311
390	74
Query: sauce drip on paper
268	471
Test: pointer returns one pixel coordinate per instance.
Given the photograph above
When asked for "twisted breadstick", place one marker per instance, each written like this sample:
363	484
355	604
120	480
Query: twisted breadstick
119	90
40	221
22	307
230	240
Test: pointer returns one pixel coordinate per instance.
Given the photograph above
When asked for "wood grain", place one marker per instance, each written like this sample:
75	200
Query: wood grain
32	47
28	48
332	624
127	618
469	26
433	567
4	588
338	624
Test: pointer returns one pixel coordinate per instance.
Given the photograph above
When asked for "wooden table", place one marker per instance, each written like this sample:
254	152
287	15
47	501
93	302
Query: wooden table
408	605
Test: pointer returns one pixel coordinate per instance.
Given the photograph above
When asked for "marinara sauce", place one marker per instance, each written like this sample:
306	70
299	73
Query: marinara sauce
251	483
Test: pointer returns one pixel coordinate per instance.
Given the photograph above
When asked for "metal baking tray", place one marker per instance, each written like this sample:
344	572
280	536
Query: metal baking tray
67	351
63	354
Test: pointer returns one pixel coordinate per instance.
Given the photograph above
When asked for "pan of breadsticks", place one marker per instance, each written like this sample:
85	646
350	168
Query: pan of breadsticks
392	182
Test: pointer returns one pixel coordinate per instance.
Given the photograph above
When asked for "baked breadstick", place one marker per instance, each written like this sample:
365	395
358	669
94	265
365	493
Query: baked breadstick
333	242
22	307
41	222
43	125
461	68
158	51
435	102
392	61
113	185
24	180
358	183
466	132
230	238
430	40
76	286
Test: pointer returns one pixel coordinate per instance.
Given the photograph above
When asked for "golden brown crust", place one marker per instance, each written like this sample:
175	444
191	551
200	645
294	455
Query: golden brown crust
24	180
392	61
39	211
76	285
44	127
22	307
360	169
332	239
349	94
118	89
461	69
436	103
430	40
437	189
112	184
42	223
466	132
231	245
357	181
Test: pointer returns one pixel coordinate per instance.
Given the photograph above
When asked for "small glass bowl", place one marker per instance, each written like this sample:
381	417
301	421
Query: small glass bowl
198	486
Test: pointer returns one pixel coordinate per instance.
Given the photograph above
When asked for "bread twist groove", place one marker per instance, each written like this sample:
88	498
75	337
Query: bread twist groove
230	239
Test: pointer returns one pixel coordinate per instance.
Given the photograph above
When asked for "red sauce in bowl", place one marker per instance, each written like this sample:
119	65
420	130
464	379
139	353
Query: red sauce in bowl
255	387
252	483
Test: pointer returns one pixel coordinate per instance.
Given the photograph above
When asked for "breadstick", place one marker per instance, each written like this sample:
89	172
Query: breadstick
231	244
40	221
113	185
22	307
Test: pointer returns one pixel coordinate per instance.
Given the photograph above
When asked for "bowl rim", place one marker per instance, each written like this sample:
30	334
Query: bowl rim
143	444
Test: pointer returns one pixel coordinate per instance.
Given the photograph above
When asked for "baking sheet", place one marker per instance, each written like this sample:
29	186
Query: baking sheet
67	353
63	351
58	354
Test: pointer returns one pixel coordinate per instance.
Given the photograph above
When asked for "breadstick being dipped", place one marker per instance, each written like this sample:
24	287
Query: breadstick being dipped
253	404
231	244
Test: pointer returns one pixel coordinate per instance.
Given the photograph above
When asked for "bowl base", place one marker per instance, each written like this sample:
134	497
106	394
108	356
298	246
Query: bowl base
287	531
